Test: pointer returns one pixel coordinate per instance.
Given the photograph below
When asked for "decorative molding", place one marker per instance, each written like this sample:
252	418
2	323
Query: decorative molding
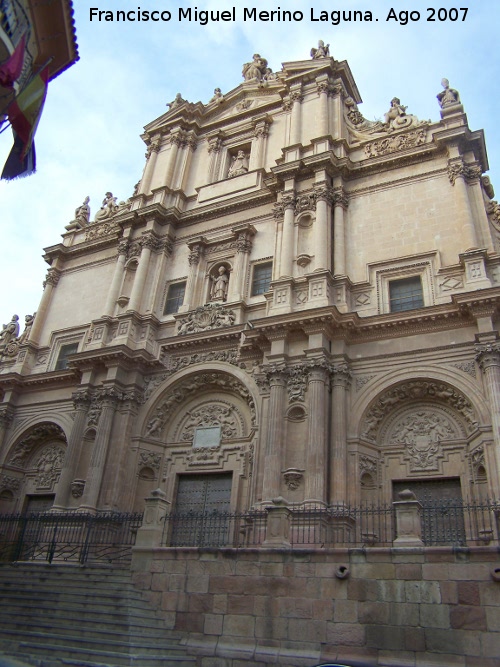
35	438
458	168
395	143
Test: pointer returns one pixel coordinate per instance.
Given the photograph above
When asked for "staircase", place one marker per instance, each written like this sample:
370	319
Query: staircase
55	615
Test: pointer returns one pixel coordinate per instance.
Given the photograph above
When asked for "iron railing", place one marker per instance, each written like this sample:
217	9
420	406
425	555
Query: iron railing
443	523
69	537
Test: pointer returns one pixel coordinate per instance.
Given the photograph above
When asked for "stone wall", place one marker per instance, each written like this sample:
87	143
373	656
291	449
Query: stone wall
410	607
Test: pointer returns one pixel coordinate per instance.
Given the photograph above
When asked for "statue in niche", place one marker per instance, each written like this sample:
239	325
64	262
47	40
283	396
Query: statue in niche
448	96
82	213
108	208
239	165
220	285
9	331
256	70
217	96
323	51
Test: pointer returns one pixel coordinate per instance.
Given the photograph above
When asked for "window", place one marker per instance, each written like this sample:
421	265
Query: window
261	281
175	298
64	353
405	294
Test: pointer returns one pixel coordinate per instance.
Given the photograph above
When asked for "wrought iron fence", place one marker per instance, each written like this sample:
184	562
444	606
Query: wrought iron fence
444	523
68	537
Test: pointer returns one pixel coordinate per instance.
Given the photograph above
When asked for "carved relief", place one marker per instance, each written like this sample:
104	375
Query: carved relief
77	488
149	460
297	383
98	230
180	392
206	318
361	380
37	436
215	413
458	168
451	283
9	483
305	202
468	367
414	390
293	478
48	466
396	143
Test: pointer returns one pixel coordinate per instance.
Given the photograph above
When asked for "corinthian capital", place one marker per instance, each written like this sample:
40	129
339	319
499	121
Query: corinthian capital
487	355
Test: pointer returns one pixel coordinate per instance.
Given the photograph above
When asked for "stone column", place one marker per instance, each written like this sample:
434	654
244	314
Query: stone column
189	146
259	144
288	237
322	227
323	87
296	115
459	173
117	279
148	242
175	141
151	155
49	285
197	251
109	398
339	253
6	417
81	401
244	234
488	358
274	441
338	463
214	146
316	459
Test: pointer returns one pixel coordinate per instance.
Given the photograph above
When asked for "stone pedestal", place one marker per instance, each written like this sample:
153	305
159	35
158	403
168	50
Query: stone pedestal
408	521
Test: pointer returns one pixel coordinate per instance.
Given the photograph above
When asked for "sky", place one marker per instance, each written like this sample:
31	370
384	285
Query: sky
88	141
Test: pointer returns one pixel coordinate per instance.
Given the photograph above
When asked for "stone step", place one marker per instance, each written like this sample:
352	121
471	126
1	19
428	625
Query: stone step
68	597
109	658
81	643
146	628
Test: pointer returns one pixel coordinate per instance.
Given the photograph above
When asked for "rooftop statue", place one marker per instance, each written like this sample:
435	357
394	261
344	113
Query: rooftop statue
323	51
448	96
176	102
82	213
256	70
108	208
9	331
217	96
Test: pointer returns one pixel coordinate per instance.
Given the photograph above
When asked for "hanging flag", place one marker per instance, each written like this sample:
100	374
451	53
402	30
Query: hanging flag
11	69
24	113
17	166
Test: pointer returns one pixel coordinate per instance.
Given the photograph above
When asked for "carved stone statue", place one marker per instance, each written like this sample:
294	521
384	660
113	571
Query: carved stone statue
108	208
176	102
239	165
448	96
28	325
323	51
9	331
220	285
396	111
82	213
256	70
217	96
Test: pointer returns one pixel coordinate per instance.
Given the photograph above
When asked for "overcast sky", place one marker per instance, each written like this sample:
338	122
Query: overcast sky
88	140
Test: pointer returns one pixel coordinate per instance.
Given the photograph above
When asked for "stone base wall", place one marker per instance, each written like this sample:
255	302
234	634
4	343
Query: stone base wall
410	607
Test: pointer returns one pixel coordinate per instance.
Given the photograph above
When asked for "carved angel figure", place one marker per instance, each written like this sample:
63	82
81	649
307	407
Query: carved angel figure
396	111
108	208
176	102
216	96
323	51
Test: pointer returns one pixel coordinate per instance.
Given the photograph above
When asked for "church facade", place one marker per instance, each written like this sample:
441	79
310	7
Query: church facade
295	303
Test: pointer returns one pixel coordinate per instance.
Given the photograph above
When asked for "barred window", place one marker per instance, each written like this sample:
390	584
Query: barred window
64	353
175	298
405	294
261	279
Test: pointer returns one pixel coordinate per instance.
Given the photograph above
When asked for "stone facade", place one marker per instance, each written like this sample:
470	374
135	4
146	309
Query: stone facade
296	305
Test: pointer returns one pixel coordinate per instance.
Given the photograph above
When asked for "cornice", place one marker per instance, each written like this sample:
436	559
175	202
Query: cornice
203	340
54	379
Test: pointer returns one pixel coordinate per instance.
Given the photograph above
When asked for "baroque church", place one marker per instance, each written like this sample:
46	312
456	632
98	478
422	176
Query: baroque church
296	304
